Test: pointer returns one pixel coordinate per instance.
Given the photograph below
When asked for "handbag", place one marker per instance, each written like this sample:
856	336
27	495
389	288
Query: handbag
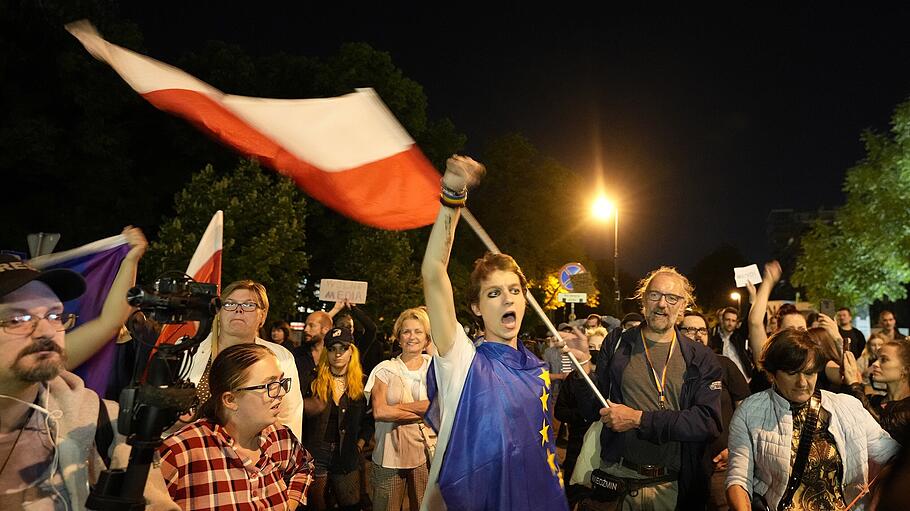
426	434
806	436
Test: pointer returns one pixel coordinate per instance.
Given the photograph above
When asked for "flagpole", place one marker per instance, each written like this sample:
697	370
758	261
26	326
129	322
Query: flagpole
491	246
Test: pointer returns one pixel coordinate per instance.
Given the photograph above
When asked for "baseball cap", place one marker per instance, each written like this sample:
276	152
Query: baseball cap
338	336
15	273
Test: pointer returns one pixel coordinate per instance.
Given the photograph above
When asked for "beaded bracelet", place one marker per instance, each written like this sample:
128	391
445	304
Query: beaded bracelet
452	203
452	198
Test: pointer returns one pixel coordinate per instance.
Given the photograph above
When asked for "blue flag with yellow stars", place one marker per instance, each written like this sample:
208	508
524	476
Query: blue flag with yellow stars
501	453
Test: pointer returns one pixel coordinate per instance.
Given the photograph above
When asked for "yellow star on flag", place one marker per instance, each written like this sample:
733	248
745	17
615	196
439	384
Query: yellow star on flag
551	460
545	376
543	399
545	433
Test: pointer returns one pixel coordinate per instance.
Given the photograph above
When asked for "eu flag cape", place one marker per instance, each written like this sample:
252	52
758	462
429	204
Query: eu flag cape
501	454
98	263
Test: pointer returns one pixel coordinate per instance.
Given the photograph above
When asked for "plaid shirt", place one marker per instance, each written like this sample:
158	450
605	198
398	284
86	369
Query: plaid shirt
203	471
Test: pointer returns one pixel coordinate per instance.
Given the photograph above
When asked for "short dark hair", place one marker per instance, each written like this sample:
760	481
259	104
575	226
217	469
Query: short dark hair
786	310
730	310
283	326
695	313
845	309
792	350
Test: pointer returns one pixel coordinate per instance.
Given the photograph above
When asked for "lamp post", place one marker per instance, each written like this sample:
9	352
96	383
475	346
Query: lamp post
602	210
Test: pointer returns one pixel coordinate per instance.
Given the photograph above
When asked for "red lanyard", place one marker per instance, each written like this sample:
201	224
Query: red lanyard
659	382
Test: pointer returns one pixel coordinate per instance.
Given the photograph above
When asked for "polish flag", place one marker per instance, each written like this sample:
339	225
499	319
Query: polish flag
205	266
348	152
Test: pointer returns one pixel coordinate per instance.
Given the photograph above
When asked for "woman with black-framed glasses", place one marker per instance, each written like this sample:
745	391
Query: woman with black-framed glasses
237	455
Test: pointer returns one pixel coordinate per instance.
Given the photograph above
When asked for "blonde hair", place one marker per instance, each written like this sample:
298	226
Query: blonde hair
643	284
418	313
322	385
601	331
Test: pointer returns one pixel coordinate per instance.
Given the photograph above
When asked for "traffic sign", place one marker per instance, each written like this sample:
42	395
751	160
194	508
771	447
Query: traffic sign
573	297
566	272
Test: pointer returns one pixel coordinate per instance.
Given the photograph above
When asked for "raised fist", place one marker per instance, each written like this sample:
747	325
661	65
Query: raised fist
462	172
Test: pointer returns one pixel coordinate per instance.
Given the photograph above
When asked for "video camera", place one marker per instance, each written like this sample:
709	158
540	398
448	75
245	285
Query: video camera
151	405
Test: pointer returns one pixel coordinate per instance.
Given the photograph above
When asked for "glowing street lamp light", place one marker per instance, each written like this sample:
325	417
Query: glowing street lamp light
736	296
602	209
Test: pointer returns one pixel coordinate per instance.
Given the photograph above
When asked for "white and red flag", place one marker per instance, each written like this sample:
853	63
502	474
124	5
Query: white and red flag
205	266
348	152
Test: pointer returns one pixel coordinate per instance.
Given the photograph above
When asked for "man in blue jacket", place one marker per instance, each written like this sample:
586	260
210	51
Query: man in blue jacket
664	403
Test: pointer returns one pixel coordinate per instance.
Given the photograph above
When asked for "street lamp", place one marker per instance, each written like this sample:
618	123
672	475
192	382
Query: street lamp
602	209
736	296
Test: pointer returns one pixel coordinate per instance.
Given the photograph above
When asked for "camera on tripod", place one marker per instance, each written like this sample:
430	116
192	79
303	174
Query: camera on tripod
151	405
175	299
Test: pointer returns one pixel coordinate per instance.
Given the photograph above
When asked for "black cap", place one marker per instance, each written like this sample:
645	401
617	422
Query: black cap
338	336
15	273
632	316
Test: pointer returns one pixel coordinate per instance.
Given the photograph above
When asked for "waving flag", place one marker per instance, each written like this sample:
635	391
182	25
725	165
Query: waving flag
348	152
205	266
98	263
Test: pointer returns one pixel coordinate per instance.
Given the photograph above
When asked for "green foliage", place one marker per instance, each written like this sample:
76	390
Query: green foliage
529	205
264	234
385	260
862	256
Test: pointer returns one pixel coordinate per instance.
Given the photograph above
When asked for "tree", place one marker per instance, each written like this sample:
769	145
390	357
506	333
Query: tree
385	260
862	256
264	235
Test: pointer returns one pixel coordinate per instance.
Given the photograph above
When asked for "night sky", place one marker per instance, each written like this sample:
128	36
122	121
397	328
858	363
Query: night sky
698	122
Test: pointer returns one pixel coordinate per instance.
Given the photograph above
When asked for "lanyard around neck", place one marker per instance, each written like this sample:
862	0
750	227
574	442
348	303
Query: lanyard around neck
659	382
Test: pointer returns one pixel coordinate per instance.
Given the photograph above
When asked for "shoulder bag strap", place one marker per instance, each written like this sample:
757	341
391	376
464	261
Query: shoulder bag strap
802	451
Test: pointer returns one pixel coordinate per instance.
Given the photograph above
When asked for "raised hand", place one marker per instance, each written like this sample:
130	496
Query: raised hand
830	326
137	242
773	272
462	172
576	342
852	373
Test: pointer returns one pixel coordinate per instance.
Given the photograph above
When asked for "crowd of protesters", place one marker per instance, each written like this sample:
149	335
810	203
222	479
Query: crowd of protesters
671	407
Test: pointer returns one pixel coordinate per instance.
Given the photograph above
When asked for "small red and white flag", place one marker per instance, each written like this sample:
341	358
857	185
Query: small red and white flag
348	152
205	266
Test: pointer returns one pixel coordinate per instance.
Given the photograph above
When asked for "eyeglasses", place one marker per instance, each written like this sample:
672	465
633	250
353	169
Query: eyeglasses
245	306
26	324
691	330
655	296
273	389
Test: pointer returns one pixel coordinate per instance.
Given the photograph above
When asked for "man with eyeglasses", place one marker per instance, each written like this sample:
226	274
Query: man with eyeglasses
663	392
244	308
42	405
734	390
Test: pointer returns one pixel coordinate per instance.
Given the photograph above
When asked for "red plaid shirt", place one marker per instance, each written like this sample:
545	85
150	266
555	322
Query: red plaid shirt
203	471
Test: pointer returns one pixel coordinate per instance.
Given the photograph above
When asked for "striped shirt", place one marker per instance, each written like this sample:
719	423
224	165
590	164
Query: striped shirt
202	470
566	364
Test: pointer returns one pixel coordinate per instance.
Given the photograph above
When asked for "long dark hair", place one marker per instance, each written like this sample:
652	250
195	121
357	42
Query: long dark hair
229	370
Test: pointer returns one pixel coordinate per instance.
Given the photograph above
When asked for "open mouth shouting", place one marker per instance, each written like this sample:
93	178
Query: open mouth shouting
509	320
